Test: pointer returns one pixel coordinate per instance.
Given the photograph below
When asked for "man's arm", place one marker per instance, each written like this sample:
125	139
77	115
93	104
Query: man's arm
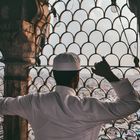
16	106
128	102
91	110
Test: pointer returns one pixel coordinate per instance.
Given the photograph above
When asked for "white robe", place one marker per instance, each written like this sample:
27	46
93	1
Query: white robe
61	115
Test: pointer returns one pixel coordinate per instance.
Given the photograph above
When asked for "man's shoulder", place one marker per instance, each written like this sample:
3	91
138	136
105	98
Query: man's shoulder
47	96
41	100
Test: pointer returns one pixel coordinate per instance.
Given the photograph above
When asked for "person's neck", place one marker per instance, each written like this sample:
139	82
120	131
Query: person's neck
70	86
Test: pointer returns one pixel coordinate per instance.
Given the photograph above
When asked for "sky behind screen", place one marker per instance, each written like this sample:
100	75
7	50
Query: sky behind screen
89	20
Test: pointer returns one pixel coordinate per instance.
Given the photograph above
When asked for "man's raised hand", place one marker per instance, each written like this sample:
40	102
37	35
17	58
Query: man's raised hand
103	69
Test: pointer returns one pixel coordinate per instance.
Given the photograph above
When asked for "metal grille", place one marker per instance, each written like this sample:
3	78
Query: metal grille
91	29
1	94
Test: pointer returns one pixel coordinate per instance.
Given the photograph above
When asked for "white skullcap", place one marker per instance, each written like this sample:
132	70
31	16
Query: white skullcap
66	62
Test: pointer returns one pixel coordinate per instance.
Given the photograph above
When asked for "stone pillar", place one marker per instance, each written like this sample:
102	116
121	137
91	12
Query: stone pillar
18	54
15	128
19	44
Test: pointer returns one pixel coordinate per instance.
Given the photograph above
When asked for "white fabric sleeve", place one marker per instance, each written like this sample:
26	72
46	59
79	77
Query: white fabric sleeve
91	109
123	88
16	106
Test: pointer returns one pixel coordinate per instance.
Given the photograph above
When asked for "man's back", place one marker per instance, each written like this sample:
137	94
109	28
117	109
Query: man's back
53	118
62	115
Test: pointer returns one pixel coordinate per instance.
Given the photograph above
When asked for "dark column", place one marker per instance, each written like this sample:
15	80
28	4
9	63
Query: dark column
19	44
18	54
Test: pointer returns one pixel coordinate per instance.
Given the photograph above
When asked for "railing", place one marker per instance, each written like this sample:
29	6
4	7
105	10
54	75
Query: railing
91	30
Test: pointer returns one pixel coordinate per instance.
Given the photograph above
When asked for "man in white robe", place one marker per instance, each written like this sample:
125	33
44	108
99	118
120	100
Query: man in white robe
61	115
